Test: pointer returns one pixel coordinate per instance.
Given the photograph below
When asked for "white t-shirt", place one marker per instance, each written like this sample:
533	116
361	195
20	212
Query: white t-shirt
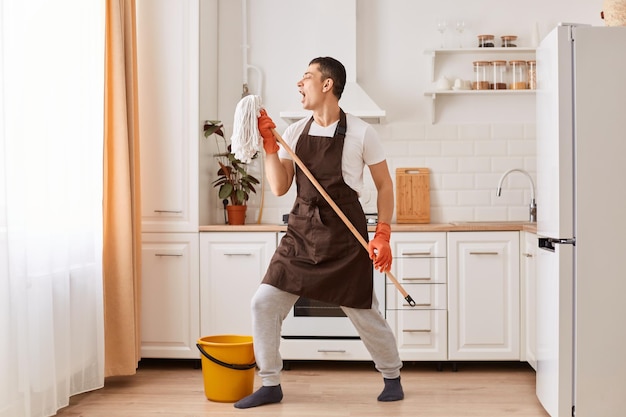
361	146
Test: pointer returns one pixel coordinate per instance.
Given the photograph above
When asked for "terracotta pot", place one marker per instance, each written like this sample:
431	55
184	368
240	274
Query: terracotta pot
236	214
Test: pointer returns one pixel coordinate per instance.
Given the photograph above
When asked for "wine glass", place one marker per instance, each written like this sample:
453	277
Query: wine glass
442	26
460	27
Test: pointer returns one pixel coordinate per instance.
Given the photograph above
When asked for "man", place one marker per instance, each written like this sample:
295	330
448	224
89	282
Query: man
319	258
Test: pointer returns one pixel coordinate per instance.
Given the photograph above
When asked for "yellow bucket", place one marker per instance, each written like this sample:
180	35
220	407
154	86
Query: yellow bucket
227	367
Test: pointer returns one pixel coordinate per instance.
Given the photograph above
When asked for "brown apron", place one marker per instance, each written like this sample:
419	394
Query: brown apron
319	258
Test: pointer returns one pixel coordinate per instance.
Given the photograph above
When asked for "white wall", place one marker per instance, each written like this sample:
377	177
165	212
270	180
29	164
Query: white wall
466	158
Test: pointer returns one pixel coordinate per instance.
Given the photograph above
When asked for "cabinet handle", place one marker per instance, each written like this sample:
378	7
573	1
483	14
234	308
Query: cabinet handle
168	211
416	278
168	254
416	330
237	254
417	305
484	253
331	350
527	255
415	254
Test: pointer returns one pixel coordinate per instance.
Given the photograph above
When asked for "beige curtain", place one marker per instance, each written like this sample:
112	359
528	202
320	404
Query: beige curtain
122	205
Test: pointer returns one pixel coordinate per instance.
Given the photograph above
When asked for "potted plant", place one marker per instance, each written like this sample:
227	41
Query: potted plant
233	180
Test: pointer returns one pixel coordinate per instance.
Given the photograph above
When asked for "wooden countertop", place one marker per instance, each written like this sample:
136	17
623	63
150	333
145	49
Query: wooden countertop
467	226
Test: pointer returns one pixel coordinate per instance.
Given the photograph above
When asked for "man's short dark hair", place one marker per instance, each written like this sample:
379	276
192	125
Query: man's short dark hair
333	69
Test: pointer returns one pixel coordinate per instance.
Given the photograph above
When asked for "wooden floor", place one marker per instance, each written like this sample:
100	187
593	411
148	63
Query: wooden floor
322	389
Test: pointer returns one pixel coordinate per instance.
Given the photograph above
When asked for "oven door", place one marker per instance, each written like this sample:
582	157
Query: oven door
310	319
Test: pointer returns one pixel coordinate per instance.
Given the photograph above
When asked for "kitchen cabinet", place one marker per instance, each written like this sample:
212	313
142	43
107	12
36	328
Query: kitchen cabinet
168	90
232	265
483	296
170	308
528	285
420	266
477	105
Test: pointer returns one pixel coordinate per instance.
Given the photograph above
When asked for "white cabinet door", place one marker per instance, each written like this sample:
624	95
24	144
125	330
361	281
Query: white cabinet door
232	265
420	266
169	127
483	296
170	305
528	297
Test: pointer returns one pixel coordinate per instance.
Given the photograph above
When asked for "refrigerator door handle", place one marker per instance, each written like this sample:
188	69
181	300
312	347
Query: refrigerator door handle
548	243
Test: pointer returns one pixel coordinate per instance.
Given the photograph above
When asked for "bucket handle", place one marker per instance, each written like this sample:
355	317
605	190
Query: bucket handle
224	364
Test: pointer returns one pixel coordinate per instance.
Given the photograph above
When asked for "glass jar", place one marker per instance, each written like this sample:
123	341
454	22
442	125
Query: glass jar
482	79
532	74
485	41
499	80
519	72
509	41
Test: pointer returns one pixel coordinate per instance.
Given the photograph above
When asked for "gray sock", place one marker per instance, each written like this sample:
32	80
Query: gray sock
264	395
392	391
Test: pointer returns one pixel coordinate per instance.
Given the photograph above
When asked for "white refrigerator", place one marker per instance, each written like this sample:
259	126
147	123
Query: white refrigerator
581	221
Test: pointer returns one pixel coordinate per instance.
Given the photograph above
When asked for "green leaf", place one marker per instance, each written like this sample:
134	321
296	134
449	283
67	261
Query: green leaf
213	127
225	190
220	181
241	196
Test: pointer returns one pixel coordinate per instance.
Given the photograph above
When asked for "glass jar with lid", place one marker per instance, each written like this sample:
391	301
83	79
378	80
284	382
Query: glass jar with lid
509	41
532	74
518	77
485	41
500	79
482	78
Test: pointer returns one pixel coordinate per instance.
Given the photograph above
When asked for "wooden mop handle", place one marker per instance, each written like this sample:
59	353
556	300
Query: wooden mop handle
337	210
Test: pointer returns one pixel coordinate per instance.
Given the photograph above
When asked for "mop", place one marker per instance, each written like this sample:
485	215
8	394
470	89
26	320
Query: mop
246	141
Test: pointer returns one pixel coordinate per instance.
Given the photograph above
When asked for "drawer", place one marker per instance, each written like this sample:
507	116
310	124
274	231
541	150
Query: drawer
421	334
419	244
324	349
411	270
426	297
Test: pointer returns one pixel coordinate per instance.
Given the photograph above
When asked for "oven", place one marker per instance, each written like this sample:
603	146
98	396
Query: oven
310	319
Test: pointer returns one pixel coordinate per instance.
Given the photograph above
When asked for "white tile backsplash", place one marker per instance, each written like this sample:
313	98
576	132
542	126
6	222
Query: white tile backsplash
523	147
507	131
501	164
465	162
458	148
491	147
474	198
424	148
474	132
475	165
458	181
404	130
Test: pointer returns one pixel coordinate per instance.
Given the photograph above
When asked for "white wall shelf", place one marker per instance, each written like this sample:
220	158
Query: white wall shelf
476	54
478	92
469	93
458	62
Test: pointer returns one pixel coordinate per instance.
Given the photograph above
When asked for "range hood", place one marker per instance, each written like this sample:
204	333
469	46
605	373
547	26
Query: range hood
354	99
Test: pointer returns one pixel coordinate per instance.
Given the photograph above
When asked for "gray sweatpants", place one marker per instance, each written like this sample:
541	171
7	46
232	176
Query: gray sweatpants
270	306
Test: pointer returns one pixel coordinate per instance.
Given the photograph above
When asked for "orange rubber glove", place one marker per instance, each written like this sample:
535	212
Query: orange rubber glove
379	249
266	124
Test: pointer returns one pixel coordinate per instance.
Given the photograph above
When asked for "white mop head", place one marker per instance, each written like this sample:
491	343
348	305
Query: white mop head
246	140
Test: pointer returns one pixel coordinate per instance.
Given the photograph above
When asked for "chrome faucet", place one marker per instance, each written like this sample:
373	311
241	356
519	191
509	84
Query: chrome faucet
533	205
